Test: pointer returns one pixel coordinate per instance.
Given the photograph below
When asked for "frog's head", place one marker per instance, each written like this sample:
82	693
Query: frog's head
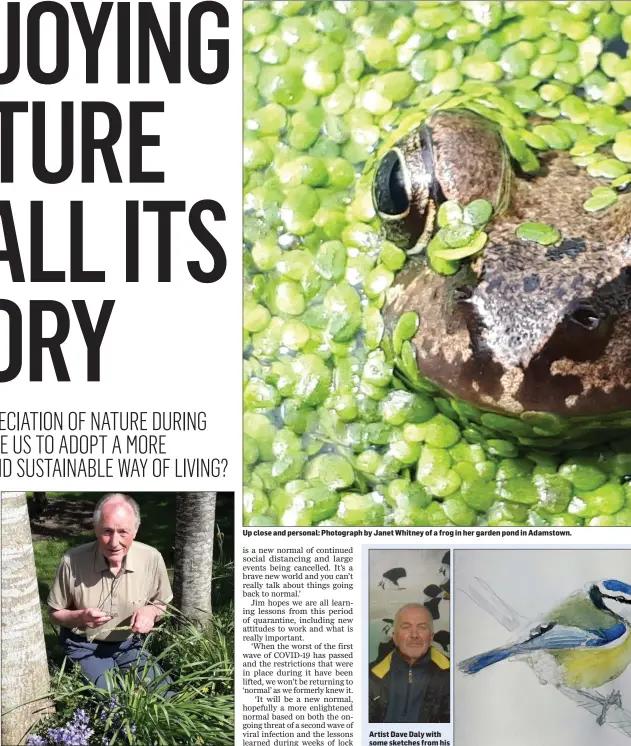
454	155
524	327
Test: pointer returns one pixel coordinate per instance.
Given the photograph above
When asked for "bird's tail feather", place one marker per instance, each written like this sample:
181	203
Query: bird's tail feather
487	599
478	662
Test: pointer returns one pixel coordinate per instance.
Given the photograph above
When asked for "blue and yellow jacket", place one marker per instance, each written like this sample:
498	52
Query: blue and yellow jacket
435	705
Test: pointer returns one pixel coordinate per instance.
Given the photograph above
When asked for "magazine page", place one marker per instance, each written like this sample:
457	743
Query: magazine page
437	357
120	426
316	340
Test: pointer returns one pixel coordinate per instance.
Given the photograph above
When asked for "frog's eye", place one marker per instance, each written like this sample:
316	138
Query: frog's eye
389	188
405	192
586	317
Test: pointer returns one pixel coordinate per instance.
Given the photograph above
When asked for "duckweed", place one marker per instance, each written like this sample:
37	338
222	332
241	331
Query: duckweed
600	201
340	428
478	212
538	232
459	236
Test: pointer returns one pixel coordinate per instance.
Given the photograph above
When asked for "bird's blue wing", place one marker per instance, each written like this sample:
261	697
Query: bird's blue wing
549	636
559	637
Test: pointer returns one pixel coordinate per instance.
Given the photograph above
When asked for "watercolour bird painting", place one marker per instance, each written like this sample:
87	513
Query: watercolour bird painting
579	648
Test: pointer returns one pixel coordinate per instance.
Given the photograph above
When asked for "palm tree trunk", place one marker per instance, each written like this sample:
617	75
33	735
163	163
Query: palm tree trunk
193	569
39	503
24	665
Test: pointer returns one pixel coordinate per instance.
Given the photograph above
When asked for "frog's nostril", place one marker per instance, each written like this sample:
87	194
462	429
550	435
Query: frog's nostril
391	197
462	293
586	317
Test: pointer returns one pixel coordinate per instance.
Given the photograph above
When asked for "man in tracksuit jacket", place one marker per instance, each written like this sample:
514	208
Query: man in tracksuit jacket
411	684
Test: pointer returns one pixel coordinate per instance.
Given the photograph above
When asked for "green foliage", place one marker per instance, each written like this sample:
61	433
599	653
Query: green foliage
199	660
181	644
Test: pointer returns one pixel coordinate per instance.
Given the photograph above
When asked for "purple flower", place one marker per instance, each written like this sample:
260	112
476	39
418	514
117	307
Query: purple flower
75	733
81	718
132	728
109	708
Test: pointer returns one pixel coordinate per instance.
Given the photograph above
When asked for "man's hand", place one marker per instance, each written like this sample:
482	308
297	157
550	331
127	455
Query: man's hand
93	618
143	619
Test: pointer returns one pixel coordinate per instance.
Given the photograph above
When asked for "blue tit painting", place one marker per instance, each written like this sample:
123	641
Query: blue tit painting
581	644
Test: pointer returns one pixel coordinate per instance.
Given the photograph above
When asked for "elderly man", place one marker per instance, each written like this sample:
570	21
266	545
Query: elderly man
109	584
411	684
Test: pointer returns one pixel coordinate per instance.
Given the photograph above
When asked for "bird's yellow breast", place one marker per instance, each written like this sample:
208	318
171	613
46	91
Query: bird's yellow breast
591	668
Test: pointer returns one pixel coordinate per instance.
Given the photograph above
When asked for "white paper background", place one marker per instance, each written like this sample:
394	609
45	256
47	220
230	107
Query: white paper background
169	346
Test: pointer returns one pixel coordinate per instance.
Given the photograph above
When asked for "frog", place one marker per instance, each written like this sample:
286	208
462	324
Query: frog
522	328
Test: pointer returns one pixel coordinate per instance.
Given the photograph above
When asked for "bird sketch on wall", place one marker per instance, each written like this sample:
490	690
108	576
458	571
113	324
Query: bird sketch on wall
438	593
390	579
580	645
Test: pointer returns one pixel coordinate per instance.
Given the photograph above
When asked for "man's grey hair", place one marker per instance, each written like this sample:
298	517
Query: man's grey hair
413	606
98	510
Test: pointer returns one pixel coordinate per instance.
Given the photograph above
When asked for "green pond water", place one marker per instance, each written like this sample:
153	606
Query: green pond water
340	428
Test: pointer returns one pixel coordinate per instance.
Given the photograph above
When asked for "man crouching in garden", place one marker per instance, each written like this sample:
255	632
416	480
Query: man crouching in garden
109	584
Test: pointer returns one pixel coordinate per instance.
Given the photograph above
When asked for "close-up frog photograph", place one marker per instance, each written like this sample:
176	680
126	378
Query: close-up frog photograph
437	263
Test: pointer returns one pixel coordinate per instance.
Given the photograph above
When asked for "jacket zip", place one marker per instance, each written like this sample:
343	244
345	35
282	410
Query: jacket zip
407	693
